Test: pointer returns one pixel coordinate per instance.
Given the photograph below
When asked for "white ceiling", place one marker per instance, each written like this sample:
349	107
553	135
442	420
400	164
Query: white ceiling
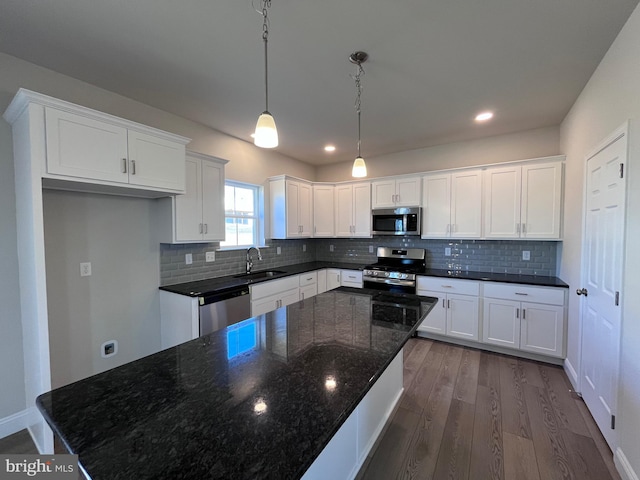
433	63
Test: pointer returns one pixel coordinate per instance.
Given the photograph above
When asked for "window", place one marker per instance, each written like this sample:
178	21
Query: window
242	220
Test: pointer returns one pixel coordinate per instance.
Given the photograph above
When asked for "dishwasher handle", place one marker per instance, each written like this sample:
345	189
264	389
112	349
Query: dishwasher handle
215	297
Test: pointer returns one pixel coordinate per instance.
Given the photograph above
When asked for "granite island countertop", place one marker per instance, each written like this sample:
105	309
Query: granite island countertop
260	399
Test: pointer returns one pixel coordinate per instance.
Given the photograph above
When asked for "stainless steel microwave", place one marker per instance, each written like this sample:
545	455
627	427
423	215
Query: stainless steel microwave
396	221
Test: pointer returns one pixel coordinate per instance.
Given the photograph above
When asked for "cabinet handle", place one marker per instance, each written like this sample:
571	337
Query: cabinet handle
206	228
524	228
446	286
517	313
518	293
448	227
524	312
124	165
518	228
133	167
200	228
443	304
448	303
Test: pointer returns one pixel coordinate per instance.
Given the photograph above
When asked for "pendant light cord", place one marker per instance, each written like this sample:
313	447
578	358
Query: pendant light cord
358	103
265	37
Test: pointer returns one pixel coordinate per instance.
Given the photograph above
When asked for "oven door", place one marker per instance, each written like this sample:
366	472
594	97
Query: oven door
390	285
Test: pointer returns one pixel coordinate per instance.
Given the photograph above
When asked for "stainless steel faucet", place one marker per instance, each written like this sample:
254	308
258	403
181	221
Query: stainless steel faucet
249	262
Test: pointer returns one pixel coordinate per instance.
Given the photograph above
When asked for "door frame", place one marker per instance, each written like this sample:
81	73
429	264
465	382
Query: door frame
621	132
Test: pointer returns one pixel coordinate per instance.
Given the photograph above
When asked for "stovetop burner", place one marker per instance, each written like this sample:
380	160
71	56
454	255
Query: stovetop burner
404	260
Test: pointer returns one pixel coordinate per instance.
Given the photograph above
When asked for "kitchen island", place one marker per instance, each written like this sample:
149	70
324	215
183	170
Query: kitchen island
264	398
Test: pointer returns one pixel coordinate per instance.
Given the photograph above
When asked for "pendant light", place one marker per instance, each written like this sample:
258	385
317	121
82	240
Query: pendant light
359	169
266	134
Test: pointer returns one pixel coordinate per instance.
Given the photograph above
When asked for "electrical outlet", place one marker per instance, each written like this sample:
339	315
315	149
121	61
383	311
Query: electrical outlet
331	248
370	248
304	247
188	259
526	255
210	257
85	269
109	348
447	251
278	250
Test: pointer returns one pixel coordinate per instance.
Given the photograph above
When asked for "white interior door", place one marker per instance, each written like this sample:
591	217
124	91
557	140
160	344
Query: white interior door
602	276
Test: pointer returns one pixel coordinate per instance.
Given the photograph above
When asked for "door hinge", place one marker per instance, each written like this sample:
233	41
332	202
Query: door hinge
613	422
622	170
617	299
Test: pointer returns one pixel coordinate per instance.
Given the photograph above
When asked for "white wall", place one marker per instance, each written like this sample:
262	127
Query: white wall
246	163
502	148
611	97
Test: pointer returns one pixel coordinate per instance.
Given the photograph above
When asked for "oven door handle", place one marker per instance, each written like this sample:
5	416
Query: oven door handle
390	281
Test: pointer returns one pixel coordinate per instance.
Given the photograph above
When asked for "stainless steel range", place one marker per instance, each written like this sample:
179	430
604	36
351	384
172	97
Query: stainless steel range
395	270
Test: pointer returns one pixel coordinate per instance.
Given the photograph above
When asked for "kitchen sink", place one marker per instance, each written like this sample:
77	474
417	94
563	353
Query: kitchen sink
260	274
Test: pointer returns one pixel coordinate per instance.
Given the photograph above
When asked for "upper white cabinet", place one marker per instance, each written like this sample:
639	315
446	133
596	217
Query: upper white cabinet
523	201
323	211
395	192
198	215
89	147
291	207
353	210
452	204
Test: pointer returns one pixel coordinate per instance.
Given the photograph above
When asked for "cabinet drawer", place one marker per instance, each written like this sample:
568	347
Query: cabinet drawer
525	293
273	287
308	278
352	278
447	285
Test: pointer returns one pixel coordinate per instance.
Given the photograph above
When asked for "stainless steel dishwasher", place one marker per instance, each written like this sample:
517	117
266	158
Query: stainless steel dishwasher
221	309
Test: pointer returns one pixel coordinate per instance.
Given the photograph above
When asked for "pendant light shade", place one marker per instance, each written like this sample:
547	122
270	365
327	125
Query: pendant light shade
359	169
266	134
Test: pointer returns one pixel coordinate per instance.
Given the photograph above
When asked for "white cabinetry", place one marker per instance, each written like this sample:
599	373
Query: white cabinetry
291	208
95	148
457	313
351	278
267	296
198	215
523	201
525	317
323	211
452	205
334	278
308	285
395	192
353	210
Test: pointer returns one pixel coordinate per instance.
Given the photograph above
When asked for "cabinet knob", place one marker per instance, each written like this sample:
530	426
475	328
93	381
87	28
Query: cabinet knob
582	291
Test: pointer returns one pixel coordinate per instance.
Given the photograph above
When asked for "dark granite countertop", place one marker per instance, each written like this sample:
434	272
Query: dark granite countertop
256	400
220	284
539	280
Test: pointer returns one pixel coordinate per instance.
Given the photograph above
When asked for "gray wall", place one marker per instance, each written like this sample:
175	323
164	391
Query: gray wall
611	97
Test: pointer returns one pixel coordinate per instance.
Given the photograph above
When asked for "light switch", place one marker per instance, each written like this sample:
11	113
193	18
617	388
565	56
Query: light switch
188	259
278	250
447	251
526	255
85	269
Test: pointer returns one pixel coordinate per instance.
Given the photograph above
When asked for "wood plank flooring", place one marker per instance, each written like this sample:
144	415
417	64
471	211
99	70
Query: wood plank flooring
469	414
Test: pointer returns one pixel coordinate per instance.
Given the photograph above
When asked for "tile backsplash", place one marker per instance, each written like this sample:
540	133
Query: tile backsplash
498	256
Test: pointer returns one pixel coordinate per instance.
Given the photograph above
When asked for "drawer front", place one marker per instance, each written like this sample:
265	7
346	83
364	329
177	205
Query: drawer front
352	278
309	278
525	293
448	285
273	287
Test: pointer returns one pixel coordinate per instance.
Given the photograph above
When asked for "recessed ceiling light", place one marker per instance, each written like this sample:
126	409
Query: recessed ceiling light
484	116
329	148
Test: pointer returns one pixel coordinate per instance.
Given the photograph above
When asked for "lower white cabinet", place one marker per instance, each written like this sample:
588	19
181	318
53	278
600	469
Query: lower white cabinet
308	285
457	312
334	278
268	296
351	278
528	318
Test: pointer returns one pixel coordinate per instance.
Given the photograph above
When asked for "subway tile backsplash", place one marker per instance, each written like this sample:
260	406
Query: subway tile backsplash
498	256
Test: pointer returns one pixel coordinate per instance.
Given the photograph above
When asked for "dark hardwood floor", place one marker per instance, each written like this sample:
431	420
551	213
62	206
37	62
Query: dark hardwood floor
469	414
19	443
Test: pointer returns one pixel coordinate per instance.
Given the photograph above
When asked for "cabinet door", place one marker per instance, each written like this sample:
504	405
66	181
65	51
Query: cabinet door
155	162
78	146
213	201
466	204
408	192
292	210
361	210
308	291
264	305
344	210
436	320
501	322
333	278
462	316
502	202
436	206
305	210
322	281
323	211
383	194
541	200
542	329
289	297
188	214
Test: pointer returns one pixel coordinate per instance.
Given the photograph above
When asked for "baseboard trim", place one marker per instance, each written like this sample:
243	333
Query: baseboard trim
571	373
623	466
14	423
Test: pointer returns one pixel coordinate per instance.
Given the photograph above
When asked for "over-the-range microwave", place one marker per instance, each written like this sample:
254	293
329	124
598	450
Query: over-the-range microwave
396	221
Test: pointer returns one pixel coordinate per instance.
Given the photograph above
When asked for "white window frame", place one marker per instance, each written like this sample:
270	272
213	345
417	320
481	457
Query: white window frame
258	217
